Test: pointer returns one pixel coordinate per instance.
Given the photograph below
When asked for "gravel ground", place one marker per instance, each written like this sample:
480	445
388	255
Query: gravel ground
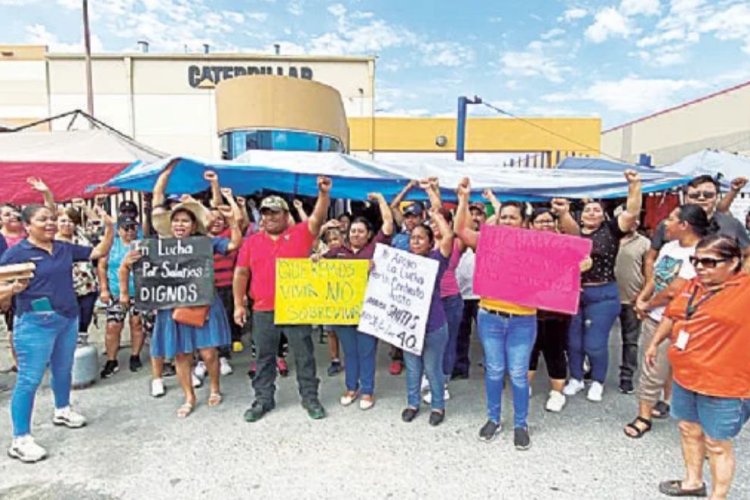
134	447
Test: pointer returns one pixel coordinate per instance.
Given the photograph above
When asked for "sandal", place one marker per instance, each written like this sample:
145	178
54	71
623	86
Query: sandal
638	431
674	489
214	399
185	410
660	410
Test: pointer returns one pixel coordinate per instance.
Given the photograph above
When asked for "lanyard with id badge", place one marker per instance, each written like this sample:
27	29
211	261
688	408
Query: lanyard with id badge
690	310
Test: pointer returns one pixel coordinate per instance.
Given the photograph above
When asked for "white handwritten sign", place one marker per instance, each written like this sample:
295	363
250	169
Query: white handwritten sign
397	299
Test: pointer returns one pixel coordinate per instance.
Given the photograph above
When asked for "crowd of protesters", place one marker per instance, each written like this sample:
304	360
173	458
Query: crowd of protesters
686	285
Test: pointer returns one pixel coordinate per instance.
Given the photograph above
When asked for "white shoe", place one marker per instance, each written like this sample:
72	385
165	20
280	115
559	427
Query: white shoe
425	384
199	370
25	449
197	382
225	367
573	387
348	398
427	398
68	418
157	388
595	392
366	404
555	402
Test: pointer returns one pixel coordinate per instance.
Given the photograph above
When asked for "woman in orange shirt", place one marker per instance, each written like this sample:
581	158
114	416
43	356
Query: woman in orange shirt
710	335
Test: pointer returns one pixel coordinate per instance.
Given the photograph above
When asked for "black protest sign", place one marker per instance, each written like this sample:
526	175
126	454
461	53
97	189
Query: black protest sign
174	272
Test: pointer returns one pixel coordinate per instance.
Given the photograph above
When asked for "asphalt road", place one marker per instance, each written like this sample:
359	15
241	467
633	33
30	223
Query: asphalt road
134	446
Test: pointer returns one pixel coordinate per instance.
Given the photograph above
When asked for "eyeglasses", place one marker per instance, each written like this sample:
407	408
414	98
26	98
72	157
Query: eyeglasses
696	195
543	222
706	262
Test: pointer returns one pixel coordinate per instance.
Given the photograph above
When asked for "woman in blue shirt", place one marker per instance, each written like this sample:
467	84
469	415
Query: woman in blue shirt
46	323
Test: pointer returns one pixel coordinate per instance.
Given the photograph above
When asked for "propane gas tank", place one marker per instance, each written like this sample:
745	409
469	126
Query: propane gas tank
85	366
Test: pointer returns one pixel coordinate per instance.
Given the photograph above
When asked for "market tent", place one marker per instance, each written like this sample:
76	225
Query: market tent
68	161
581	163
726	166
353	178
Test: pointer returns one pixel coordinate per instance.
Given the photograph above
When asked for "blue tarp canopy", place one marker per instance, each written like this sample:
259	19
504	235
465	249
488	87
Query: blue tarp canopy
725	166
353	178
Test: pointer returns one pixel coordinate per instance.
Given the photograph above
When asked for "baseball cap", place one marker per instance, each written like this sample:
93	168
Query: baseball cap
274	203
413	209
125	221
127	206
478	206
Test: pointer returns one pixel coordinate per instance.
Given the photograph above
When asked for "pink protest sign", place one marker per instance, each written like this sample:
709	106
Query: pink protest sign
530	268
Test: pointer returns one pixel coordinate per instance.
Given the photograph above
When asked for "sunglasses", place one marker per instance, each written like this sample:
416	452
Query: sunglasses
706	262
708	195
129	228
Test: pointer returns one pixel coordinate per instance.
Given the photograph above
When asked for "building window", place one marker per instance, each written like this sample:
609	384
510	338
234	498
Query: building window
237	142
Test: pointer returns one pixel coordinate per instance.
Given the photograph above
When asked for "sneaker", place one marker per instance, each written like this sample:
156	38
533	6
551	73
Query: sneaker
197	382
427	398
521	438
255	412
626	386
436	417
225	367
314	409
595	392
348	398
425	385
335	368
25	449
168	370
68	418
489	431
157	388
396	367
200	370
282	366
366	402
110	368
573	387
252	370
135	363
555	402
237	346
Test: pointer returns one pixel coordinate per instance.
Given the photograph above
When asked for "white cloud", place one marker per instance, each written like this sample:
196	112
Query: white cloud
553	33
260	17
533	62
235	17
573	14
609	23
446	54
296	7
640	7
38	34
337	9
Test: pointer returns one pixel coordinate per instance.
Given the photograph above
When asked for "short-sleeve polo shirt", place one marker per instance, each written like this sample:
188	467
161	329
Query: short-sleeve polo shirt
53	276
259	253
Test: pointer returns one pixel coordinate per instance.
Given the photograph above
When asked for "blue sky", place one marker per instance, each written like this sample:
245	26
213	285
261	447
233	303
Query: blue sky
615	59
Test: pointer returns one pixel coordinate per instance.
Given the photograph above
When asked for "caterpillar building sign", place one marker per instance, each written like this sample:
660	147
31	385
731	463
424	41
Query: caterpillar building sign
215	74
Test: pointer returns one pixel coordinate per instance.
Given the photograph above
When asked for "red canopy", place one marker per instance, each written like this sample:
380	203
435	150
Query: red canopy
69	162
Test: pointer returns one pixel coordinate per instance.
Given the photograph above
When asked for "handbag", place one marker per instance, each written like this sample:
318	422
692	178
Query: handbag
191	316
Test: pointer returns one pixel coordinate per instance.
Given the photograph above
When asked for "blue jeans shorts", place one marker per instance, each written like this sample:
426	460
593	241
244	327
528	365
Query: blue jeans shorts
720	418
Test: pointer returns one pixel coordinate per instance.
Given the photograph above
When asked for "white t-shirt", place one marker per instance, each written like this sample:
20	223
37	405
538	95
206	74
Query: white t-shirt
673	262
465	274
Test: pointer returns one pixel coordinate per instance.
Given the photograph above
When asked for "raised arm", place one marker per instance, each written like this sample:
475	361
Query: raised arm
231	215
446	242
318	216
300	208
160	187
725	204
213	180
488	195
467	235
431	186
38	184
385	212
568	225
244	216
398	217
104	246
633	207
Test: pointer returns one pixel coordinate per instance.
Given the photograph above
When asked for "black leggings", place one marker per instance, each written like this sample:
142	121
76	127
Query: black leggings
86	305
551	340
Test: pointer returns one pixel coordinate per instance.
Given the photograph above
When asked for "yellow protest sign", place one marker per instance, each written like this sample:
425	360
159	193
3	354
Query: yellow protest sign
328	292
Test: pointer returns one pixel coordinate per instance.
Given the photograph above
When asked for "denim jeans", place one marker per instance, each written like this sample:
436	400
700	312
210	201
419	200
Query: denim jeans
454	310
431	363
359	358
41	338
463	343
630	329
507	342
266	336
589	330
720	418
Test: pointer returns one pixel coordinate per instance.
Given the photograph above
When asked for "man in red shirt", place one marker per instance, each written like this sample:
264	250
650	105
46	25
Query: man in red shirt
279	239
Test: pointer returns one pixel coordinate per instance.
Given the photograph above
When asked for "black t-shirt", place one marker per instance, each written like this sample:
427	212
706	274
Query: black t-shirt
606	243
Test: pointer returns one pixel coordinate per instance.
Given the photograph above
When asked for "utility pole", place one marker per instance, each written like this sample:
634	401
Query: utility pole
461	124
87	44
